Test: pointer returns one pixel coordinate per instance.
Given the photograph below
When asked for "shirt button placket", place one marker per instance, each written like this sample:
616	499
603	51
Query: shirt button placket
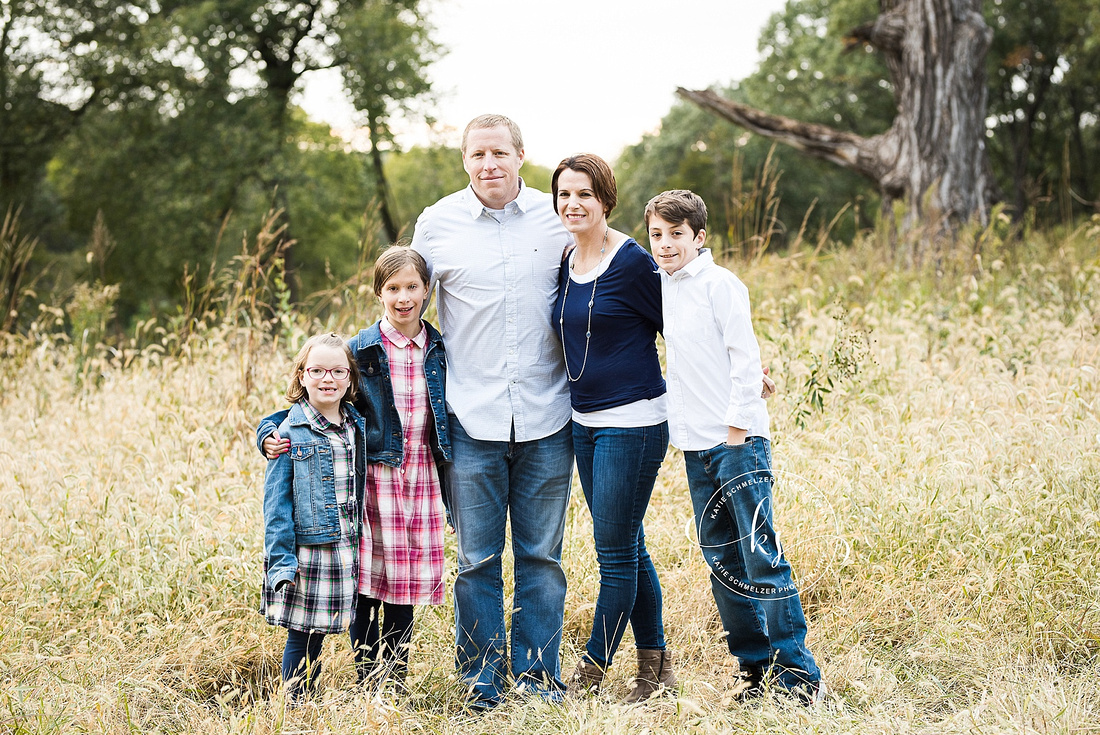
511	309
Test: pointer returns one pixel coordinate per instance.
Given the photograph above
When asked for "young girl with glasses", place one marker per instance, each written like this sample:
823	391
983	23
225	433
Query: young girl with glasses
401	368
312	496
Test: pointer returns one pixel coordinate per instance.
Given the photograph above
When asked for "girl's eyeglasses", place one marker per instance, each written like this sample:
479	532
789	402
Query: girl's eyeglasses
318	373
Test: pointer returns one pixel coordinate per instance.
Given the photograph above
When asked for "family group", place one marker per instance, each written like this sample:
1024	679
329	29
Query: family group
547	360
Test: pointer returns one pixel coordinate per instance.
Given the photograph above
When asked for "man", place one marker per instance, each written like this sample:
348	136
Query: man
493	251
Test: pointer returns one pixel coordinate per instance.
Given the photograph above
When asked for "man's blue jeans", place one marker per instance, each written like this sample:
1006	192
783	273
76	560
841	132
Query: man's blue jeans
489	482
617	469
731	492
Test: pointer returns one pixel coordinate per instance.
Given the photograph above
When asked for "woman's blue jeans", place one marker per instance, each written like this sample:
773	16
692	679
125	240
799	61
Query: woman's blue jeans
617	469
731	491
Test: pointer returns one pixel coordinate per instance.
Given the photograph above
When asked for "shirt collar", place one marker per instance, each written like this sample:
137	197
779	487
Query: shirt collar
398	338
698	263
475	207
319	422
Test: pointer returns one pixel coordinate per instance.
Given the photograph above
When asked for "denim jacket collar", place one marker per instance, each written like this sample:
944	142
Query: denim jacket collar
297	417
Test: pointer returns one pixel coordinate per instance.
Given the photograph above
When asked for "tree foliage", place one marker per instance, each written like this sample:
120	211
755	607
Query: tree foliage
176	122
59	60
932	158
819	65
805	73
1044	69
385	56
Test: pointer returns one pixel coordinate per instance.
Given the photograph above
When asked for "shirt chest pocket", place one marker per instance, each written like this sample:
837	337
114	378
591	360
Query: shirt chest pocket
309	478
696	322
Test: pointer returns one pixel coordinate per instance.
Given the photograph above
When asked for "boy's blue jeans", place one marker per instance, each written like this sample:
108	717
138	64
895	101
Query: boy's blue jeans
731	492
617	469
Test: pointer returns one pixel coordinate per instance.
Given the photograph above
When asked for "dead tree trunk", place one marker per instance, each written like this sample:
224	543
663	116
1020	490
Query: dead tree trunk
933	157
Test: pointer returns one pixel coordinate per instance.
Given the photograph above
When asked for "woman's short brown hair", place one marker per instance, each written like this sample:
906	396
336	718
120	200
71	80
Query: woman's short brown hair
394	259
296	391
599	172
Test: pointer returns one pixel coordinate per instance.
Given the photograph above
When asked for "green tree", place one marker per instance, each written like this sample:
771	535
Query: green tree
59	61
1044	70
805	72
328	199
821	63
385	50
253	54
175	121
419	177
692	150
176	194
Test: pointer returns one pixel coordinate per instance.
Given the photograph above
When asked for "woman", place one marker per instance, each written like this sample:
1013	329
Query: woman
608	313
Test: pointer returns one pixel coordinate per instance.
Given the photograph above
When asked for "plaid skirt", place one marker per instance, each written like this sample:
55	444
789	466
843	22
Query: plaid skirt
322	599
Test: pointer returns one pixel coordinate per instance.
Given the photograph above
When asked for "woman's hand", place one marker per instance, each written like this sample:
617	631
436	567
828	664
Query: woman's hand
767	392
274	445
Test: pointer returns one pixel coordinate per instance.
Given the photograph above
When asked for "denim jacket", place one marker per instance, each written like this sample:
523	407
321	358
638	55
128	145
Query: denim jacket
384	435
300	506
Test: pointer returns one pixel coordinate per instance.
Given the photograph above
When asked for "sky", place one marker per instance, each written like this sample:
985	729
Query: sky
576	75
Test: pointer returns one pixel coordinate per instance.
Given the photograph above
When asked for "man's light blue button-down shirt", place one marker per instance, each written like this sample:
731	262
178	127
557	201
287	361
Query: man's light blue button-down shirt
495	276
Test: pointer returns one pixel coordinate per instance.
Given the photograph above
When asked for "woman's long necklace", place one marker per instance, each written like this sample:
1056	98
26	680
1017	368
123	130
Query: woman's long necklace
591	303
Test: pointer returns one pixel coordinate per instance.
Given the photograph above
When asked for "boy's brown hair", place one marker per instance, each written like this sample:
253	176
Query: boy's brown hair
296	391
599	172
676	206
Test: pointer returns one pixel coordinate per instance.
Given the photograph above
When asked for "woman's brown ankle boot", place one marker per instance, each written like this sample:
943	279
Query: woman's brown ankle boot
586	679
654	674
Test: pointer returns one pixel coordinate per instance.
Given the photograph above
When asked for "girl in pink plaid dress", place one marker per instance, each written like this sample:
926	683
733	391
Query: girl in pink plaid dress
401	361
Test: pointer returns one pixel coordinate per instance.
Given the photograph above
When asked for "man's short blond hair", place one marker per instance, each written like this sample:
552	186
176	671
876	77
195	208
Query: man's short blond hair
482	122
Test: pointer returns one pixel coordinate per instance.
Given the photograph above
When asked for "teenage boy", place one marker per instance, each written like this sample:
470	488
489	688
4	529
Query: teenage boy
719	418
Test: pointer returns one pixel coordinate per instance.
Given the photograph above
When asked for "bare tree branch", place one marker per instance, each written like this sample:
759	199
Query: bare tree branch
820	141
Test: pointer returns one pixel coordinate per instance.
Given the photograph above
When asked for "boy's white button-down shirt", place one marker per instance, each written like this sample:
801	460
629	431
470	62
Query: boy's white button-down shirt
495	275
713	359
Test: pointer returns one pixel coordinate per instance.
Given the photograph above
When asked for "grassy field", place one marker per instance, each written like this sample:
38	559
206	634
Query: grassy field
937	441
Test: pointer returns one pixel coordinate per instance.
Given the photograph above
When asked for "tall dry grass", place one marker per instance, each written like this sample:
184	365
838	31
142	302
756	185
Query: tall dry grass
936	438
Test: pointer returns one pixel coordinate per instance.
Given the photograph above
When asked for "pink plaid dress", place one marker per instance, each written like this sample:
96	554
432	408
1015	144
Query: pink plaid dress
401	547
